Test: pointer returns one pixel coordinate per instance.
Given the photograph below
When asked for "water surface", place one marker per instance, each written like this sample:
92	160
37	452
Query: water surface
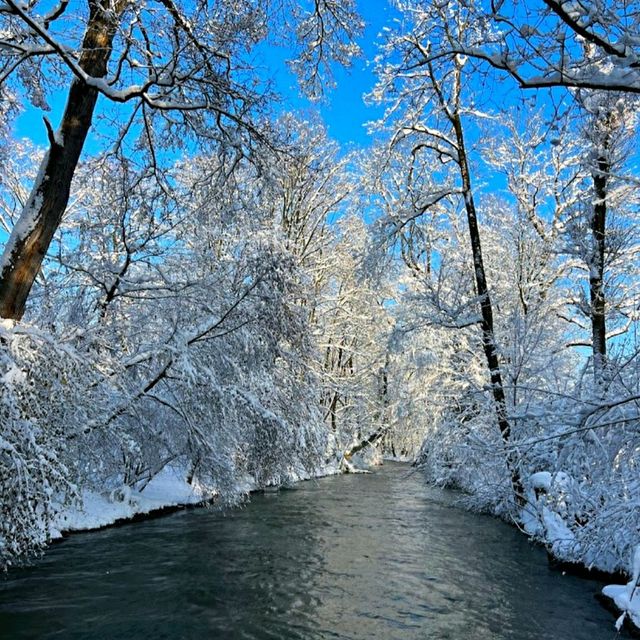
381	556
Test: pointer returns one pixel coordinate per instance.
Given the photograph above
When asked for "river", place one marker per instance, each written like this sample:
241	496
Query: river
379	556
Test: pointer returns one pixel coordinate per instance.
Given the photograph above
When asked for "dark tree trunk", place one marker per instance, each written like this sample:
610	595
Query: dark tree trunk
596	269
486	308
41	216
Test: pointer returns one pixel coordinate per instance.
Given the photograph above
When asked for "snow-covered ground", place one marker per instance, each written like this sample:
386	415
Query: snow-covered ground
96	510
169	488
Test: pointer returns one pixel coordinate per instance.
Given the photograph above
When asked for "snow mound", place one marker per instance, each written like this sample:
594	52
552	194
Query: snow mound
627	596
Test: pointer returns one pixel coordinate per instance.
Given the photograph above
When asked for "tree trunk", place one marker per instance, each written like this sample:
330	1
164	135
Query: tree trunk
369	441
486	309
596	269
41	215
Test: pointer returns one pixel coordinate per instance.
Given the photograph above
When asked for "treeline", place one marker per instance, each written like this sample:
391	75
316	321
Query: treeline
509	185
180	299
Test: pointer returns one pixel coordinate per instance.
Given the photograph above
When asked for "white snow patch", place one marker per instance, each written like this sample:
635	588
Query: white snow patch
14	376
559	537
627	596
98	510
541	480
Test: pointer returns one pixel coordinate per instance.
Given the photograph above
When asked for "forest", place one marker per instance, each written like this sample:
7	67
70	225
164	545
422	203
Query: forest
200	287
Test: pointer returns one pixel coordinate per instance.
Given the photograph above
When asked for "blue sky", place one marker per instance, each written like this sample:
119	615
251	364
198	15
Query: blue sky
343	109
345	112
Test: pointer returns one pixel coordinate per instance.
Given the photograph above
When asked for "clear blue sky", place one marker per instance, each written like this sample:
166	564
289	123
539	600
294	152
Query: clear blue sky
343	109
345	112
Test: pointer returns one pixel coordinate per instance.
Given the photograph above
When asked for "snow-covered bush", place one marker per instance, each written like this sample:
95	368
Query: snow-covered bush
585	494
38	383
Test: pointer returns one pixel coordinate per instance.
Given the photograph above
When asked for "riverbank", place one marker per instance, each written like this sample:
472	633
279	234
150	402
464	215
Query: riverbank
167	492
626	598
545	518
622	600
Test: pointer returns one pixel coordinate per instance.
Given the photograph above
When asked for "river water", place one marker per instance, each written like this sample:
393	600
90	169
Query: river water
380	556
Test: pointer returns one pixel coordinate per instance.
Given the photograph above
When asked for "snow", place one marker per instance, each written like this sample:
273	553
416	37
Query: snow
349	466
14	376
558	535
627	599
541	480
627	596
167	489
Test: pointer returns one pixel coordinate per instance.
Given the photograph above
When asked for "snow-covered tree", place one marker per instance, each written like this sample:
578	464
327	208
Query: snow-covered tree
549	43
178	67
427	109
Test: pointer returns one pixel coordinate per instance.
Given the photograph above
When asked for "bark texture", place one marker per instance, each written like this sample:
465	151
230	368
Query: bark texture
41	216
482	289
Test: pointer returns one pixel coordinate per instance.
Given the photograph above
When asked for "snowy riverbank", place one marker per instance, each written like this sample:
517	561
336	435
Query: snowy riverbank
168	490
627	597
544	518
96	510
